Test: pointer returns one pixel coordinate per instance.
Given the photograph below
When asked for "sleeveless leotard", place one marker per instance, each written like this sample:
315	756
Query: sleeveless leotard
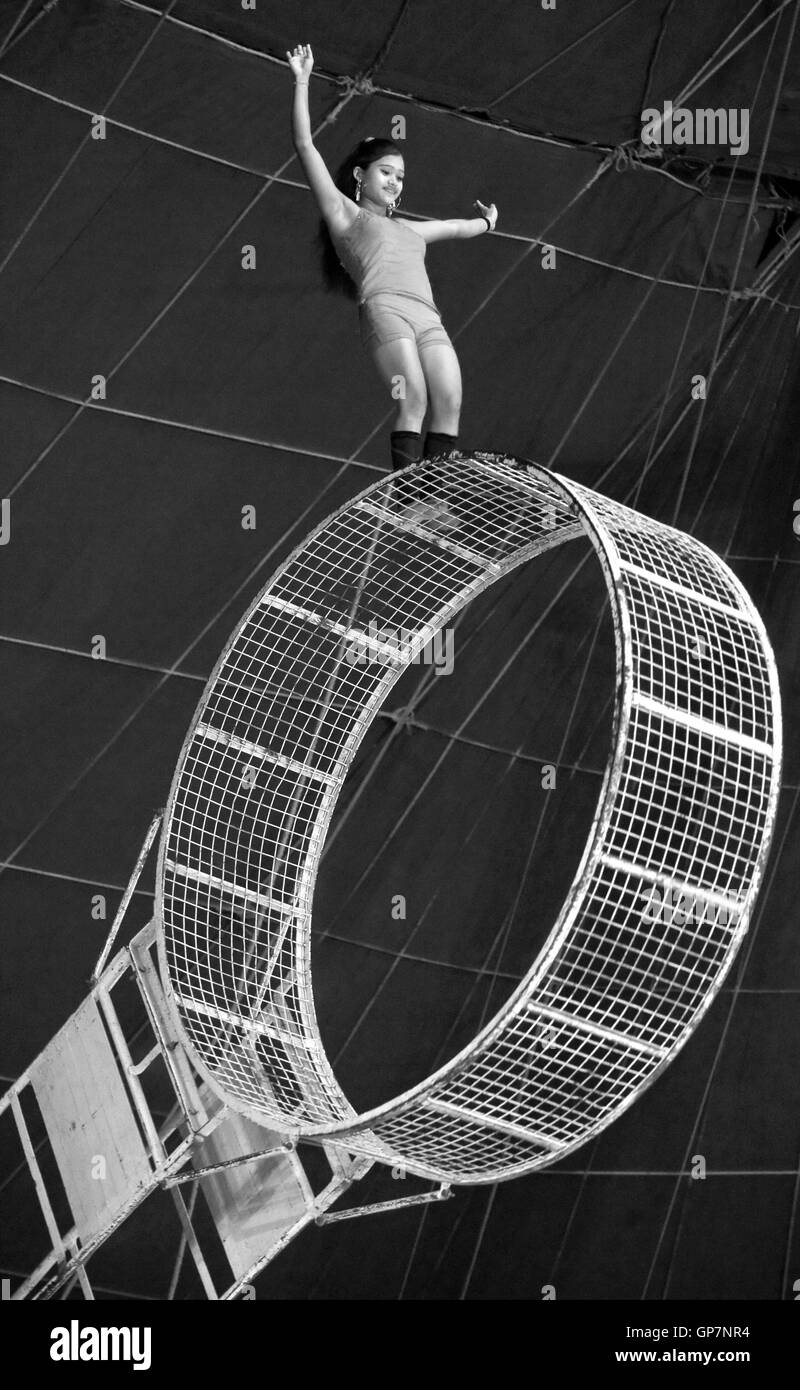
381	255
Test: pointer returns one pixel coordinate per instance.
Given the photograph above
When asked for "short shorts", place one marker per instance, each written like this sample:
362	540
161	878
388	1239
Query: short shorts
386	316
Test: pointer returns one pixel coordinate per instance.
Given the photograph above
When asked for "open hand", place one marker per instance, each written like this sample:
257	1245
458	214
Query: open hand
490	212
301	60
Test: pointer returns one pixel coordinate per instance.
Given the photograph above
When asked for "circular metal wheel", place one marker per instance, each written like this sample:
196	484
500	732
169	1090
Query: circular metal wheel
665	887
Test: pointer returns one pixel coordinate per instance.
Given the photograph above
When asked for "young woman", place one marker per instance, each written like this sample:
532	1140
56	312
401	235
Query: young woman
379	259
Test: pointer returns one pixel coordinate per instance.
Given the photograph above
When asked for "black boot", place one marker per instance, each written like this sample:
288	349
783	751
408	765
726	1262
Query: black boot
436	444
405	446
435	514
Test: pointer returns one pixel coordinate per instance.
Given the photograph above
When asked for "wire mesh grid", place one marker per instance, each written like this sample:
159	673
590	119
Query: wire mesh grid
667	880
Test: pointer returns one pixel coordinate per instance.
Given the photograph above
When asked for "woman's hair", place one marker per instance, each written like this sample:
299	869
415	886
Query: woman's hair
367	152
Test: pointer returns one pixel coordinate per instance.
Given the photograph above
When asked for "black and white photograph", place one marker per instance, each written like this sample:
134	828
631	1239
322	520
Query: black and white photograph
400	633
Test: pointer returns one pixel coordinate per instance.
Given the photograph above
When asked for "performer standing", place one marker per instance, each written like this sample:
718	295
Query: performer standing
379	259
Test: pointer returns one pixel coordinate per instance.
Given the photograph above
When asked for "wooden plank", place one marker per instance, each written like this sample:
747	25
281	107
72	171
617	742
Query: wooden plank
88	1116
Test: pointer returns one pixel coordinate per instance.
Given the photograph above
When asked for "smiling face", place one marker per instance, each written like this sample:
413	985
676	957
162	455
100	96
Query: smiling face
381	182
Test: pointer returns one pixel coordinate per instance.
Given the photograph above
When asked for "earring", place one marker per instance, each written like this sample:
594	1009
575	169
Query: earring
358	190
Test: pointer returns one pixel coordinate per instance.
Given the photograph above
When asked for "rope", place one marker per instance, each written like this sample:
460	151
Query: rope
412	1255
595	29
623	157
484	1224
7	41
576	1202
708	68
87	656
694	1138
112	740
786	1273
633	156
456	967
653	59
539	823
389	715
153	323
740	253
466	720
425	683
601	170
479	1242
605	474
438	108
755	394
483	811
684	335
356	86
87	137
289	531
523	880
702	75
700	1116
769	274
572	200
732	1005
588	1170
103	407
604	368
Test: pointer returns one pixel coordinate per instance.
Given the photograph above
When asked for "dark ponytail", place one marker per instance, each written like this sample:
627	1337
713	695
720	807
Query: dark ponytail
367	152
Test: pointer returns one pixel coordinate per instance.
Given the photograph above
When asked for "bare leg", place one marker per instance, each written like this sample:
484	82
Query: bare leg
443	379
401	372
401	369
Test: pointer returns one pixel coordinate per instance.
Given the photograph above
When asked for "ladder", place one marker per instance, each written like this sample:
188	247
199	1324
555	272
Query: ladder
113	1111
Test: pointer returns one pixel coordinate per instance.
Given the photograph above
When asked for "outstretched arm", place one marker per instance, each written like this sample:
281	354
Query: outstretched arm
330	200
457	227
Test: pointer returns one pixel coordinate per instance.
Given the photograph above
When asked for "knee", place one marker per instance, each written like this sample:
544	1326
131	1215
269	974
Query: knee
448	399
416	396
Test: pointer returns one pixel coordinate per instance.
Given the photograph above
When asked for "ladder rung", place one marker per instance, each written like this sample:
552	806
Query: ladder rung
236	891
310	615
491	1122
680	886
419	528
683	591
702	726
256	750
238	1021
597	1030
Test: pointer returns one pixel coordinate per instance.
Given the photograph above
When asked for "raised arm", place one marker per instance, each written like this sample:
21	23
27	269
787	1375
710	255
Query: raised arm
331	202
